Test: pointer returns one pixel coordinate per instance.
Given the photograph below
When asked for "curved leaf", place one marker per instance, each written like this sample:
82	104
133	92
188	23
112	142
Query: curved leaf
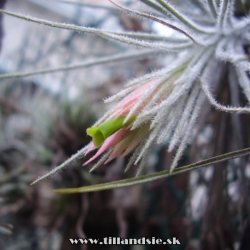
155	176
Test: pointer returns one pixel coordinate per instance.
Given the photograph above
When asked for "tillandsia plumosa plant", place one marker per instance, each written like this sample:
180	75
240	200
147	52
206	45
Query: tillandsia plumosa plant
163	106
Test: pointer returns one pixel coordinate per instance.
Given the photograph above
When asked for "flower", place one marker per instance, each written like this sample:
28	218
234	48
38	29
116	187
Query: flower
116	133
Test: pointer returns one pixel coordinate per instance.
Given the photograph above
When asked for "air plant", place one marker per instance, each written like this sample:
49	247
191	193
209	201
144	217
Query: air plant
164	105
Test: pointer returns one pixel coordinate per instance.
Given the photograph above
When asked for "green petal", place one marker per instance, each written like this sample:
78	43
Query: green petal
111	126
106	129
96	135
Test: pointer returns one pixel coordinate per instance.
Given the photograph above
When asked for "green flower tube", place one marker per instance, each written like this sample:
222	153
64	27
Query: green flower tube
103	131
